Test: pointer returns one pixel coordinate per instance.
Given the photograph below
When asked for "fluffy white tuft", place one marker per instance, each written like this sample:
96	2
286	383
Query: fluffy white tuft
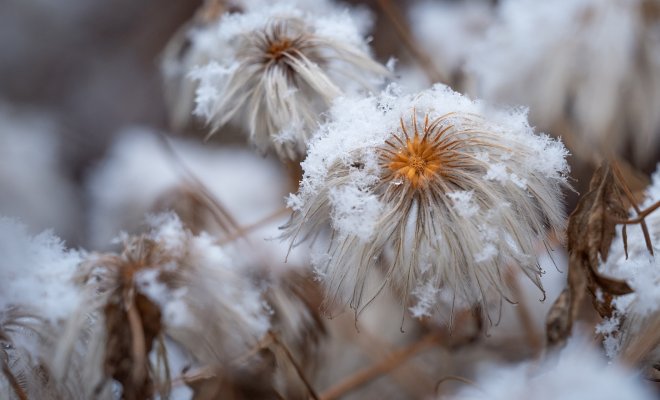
452	212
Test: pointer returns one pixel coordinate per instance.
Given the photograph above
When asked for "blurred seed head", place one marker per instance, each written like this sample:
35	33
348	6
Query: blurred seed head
279	69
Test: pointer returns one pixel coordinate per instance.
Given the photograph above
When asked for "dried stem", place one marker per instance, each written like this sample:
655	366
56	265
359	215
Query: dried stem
413	379
138	342
293	362
640	217
403	31
631	198
390	362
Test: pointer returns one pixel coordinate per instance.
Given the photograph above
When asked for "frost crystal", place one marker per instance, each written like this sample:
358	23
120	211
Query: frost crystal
412	169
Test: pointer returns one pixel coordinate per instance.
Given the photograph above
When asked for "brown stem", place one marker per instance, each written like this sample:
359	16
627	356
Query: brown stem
293	362
631	198
138	342
402	30
640	217
390	362
413	379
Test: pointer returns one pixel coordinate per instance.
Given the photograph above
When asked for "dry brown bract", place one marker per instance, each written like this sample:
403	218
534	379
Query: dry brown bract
132	321
591	229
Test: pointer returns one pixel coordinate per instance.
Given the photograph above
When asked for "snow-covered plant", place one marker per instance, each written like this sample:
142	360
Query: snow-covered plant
37	294
641	270
170	283
274	70
599	62
433	190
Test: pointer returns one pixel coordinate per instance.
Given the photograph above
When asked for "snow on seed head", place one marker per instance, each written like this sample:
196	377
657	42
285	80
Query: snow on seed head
455	193
280	68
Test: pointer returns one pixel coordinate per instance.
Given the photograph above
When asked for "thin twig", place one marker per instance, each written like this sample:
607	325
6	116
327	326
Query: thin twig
403	31
297	367
643	214
390	362
631	198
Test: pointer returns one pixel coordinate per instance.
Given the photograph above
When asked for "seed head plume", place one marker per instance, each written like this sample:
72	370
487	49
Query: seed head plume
427	191
279	69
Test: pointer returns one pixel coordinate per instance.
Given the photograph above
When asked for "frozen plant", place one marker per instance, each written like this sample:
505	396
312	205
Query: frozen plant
37	294
432	190
275	69
169	283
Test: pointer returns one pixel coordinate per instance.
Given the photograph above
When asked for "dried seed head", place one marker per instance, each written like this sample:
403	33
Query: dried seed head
184	288
278	70
432	191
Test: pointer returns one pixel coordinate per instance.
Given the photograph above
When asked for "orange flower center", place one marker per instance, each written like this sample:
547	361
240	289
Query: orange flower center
417	162
278	48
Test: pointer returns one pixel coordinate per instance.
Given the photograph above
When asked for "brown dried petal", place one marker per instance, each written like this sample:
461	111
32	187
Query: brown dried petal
121	362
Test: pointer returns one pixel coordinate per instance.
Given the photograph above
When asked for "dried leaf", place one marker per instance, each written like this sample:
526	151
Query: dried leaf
591	229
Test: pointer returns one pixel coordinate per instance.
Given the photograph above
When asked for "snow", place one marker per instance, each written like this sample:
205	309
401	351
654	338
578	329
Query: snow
36	272
578	372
